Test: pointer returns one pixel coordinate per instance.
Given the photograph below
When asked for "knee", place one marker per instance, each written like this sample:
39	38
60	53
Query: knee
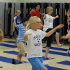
44	68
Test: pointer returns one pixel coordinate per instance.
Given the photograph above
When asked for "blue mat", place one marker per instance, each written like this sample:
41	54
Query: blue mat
57	53
55	48
7	45
53	68
9	60
65	62
1	67
11	52
10	41
14	52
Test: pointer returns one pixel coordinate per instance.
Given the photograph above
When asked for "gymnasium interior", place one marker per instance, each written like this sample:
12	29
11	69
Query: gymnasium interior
60	58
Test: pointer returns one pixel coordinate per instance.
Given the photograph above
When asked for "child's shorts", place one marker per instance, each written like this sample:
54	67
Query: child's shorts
21	47
36	62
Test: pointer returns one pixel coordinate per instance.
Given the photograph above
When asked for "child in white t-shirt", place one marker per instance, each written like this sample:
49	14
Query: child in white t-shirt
48	25
34	38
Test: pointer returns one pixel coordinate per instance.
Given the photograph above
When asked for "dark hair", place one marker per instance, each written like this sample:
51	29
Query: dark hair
36	5
24	20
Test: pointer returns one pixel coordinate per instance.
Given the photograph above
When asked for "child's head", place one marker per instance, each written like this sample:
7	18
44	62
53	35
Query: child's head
49	10
18	12
34	23
25	21
37	7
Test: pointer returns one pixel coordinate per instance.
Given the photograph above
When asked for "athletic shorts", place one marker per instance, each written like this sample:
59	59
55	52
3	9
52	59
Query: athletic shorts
21	47
36	62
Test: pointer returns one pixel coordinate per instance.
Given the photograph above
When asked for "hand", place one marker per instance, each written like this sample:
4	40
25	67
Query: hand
57	16
15	17
43	14
26	36
60	26
63	37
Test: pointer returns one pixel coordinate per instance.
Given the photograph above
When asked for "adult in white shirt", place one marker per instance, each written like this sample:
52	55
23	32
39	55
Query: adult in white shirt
48	25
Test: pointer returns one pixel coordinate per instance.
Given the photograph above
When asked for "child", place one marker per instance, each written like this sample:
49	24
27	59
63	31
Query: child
20	41
34	37
48	25
18	21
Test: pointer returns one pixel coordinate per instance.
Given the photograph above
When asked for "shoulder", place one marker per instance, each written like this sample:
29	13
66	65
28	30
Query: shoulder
28	31
39	30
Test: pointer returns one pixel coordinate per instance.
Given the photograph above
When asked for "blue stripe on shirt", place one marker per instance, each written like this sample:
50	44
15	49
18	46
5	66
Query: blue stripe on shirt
21	32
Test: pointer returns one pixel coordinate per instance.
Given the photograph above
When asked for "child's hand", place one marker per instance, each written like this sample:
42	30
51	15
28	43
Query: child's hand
57	16
63	37
15	17
26	36
60	26
43	14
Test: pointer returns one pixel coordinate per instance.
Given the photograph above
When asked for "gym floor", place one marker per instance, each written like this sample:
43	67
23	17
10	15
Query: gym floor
59	58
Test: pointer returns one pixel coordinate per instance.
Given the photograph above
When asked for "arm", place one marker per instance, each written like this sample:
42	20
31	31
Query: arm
44	16
53	30
67	36
14	23
26	36
56	17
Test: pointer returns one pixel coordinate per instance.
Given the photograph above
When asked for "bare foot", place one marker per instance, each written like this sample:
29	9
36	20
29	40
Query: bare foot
47	58
59	45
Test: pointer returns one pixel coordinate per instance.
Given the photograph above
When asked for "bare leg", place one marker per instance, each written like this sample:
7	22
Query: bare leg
16	40
57	40
47	51
19	56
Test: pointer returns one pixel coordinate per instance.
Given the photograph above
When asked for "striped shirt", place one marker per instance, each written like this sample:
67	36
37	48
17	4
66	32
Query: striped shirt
21	32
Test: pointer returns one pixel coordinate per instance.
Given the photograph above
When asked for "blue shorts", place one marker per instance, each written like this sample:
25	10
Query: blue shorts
36	62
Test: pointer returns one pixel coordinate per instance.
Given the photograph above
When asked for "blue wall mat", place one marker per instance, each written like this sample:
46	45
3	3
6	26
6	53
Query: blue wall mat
9	60
53	68
7	45
58	53
55	48
64	62
10	41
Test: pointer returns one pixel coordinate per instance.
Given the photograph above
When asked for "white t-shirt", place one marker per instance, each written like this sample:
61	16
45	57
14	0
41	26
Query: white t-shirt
48	22
34	43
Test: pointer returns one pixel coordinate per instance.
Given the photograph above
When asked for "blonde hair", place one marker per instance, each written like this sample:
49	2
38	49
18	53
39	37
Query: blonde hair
33	19
48	9
17	11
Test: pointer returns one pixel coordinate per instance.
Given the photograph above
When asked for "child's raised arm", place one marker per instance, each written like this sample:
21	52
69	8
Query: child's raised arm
54	29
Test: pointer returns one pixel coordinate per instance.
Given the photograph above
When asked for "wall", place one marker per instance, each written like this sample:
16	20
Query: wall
52	1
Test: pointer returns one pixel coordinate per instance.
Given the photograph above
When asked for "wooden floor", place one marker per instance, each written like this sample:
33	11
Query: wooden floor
59	58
